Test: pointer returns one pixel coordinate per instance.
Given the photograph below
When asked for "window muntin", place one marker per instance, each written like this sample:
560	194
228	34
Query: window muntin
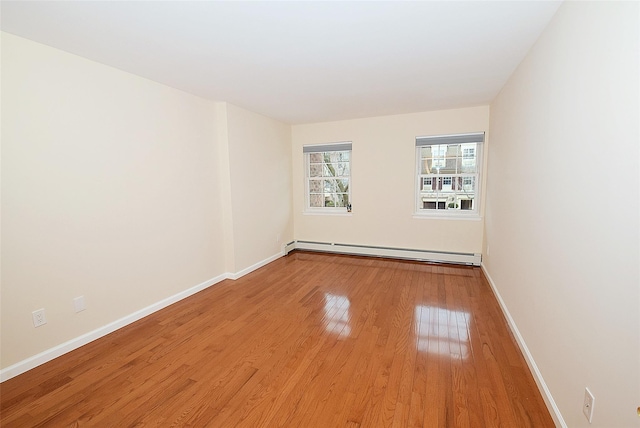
328	179
453	170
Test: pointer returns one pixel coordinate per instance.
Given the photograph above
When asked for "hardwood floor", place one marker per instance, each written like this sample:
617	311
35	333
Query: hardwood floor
311	340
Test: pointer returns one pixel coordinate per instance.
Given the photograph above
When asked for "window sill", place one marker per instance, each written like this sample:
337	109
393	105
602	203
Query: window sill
446	216
329	213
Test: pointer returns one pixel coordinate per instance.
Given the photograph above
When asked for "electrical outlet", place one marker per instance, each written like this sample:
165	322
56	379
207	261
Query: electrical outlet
39	318
587	406
79	304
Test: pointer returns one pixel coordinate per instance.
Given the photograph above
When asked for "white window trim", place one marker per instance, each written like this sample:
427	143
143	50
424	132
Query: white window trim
445	215
333	211
341	213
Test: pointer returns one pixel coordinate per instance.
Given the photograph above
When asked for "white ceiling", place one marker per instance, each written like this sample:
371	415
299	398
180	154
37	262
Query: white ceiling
300	62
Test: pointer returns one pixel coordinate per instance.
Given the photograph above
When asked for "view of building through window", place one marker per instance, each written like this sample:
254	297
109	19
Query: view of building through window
448	174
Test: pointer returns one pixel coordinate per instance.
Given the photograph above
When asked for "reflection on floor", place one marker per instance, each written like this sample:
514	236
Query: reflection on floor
442	331
336	310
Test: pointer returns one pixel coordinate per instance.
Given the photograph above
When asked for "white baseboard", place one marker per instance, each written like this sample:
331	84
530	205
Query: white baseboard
253	267
537	376
75	343
389	252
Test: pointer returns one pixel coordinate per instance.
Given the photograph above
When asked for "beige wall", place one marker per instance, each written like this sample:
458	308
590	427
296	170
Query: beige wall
383	182
126	192
259	153
107	192
562	239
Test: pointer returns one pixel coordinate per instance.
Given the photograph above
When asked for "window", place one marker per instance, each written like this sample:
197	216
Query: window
427	183
451	166
446	183
328	177
468	155
468	183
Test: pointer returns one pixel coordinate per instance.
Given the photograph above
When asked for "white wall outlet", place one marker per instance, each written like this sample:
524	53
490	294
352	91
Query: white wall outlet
79	304
587	406
39	318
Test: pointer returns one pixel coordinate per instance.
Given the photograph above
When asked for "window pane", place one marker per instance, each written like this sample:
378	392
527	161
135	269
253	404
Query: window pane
438	159
334	157
469	184
450	166
315	157
468	168
315	186
453	151
425	166
342	169
316	201
339	199
329	186
334	170
469	153
315	170
343	156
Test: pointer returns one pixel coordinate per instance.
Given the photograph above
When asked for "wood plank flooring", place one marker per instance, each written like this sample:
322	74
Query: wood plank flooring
311	340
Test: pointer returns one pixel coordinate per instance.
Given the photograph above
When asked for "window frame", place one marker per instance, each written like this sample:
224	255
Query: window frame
327	148
459	179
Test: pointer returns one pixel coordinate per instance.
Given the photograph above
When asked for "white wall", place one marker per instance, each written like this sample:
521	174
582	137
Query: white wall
383	182
562	235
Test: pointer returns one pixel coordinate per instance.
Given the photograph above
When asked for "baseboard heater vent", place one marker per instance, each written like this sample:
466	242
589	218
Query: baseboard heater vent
395	253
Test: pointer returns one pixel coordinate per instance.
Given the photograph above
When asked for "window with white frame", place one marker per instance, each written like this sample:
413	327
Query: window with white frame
328	177
451	166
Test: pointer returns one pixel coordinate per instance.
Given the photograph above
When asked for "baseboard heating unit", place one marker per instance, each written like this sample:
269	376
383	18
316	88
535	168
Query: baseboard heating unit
394	253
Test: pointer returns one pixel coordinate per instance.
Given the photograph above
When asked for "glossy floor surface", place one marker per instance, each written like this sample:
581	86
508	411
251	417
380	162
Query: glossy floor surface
311	340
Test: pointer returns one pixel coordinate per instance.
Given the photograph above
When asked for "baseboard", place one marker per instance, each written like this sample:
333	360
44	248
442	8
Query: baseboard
388	252
253	267
537	376
75	343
